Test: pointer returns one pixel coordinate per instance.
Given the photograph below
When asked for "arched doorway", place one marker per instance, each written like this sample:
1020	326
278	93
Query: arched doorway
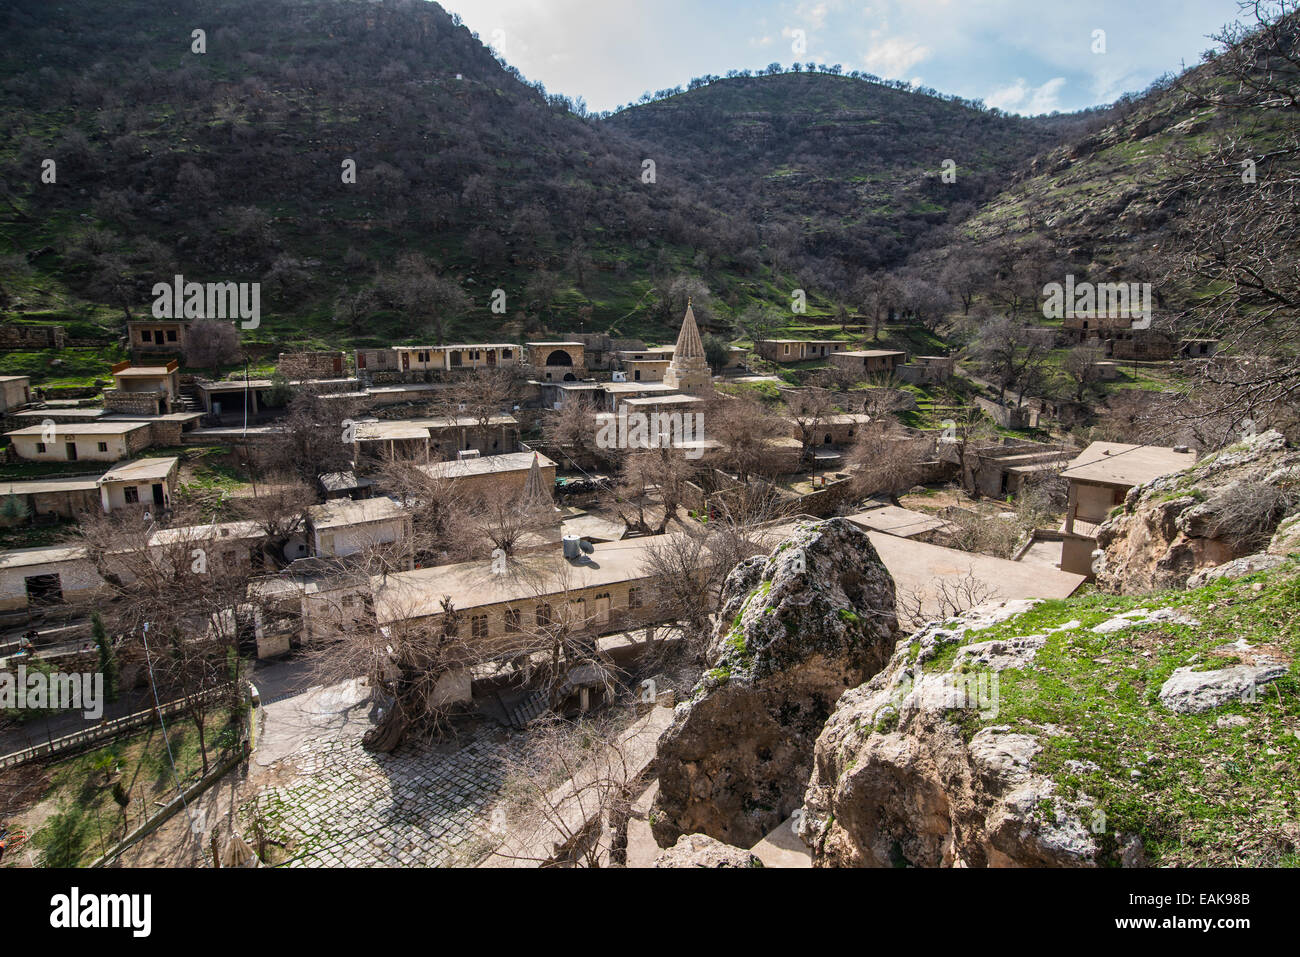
559	358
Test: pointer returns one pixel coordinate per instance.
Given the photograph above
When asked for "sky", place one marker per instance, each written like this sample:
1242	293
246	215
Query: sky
1022	56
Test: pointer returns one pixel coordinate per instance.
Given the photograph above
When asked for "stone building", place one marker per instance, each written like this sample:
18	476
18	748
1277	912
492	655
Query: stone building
870	362
557	361
1100	478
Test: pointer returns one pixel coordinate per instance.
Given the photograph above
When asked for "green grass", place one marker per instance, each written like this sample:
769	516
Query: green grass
1201	794
87	820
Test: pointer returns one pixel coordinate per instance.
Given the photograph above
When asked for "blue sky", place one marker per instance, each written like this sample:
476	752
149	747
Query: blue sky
1023	56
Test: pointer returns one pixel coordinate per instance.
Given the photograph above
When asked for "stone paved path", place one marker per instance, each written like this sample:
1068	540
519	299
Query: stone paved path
422	806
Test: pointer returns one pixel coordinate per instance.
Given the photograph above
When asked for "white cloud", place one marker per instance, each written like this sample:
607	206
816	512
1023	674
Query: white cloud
895	56
1021	97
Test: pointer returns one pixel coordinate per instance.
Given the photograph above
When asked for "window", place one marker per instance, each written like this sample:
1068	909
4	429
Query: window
787	350
505	353
361	360
171	335
146	335
543	615
40	446
512	620
479	626
634	597
131	494
102	446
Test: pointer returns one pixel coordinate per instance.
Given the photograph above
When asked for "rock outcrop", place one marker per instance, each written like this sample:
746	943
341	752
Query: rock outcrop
700	850
796	629
1225	507
896	781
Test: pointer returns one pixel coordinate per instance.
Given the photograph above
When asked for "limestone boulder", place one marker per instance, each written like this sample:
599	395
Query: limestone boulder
797	628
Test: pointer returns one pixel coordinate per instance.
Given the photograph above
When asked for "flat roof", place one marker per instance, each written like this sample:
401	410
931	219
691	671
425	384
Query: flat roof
487	465
894	520
655	400
14	378
581	344
144	372
1116	463
88	428
342	512
91	413
390	431
463	345
230	385
218	532
649	362
618	387
43	486
417	594
873	353
459	421
45	555
141	470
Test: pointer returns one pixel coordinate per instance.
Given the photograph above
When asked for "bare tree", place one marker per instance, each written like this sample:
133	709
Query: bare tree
808	408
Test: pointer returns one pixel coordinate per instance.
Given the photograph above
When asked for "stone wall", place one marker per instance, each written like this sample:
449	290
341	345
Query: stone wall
14	335
133	403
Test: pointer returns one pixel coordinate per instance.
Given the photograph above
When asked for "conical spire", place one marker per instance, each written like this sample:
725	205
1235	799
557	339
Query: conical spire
534	489
689	345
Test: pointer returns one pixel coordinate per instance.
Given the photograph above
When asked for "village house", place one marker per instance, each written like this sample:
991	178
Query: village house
646	370
49	498
838	428
157	337
1100	478
412	360
798	350
46	576
870	362
314	365
92	442
496	477
143	390
15	393
343	527
928	370
147	484
648	354
607	590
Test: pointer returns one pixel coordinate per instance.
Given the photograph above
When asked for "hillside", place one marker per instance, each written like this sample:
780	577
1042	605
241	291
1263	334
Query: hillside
841	174
228	165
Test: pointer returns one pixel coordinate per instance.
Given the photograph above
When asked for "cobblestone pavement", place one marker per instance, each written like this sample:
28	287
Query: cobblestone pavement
424	805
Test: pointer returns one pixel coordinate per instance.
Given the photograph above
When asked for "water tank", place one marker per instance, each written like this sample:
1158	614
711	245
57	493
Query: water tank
572	546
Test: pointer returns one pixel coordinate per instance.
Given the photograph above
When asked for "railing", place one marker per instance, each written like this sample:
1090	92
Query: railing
100	732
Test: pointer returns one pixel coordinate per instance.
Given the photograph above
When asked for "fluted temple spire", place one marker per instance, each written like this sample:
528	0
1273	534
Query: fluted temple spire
689	371
689	345
534	489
